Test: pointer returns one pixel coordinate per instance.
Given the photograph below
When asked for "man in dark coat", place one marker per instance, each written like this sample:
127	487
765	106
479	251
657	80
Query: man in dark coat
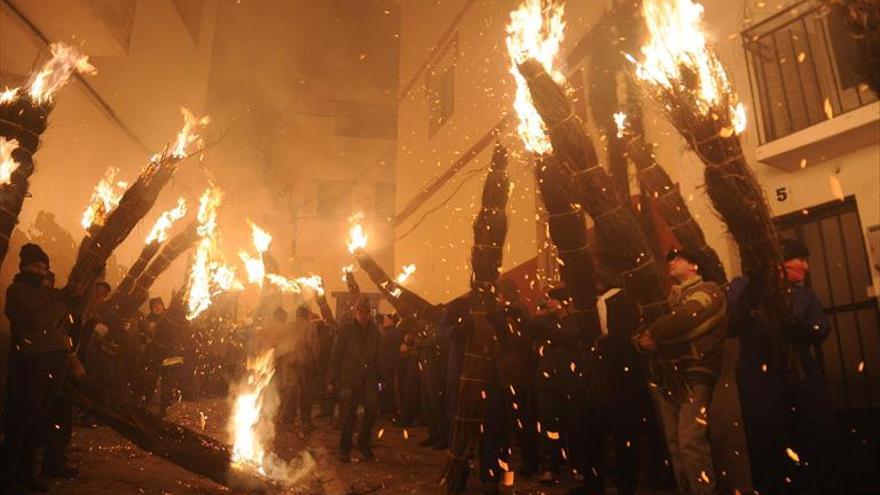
41	356
354	370
161	360
790	424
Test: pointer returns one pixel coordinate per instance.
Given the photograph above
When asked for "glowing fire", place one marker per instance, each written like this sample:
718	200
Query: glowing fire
677	58
54	75
261	238
208	276
8	95
8	165
283	283
313	282
166	220
406	272
188	134
345	271
357	238
536	30
104	199
620	122
247	420
255	268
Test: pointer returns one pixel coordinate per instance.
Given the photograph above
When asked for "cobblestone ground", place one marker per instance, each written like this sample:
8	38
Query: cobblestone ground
109	464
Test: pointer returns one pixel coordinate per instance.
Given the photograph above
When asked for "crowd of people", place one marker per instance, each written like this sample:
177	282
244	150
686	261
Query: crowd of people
575	405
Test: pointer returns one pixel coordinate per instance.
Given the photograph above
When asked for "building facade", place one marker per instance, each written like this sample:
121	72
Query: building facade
813	140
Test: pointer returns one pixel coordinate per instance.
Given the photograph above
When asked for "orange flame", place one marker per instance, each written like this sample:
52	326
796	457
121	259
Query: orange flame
188	135
536	30
105	198
254	267
166	220
208	276
314	282
406	272
54	75
8	95
285	284
357	238
677	51
620	122
261	238
247	417
8	165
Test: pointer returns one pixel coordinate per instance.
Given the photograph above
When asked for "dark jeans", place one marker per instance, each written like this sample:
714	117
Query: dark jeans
168	386
35	383
502	422
59	430
349	401
433	398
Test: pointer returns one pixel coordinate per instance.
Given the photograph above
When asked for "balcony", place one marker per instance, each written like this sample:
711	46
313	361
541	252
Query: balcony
810	102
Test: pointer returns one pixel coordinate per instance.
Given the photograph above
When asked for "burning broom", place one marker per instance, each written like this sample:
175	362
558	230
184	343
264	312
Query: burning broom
684	76
157	236
24	113
549	127
137	201
407	303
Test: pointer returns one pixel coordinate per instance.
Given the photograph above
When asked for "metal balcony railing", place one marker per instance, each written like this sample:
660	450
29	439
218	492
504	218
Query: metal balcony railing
802	69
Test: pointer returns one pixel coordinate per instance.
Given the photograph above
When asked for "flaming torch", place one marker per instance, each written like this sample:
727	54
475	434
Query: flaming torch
157	236
316	283
535	31
104	199
590	186
8	164
684	76
208	276
23	116
256	267
133	206
405	302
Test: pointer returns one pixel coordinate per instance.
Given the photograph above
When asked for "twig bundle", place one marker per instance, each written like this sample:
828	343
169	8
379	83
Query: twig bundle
490	230
673	207
140	290
407	303
137	201
616	224
137	268
711	130
23	121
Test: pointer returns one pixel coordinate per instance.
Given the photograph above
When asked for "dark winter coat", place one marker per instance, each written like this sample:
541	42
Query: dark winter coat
691	336
355	360
783	408
38	316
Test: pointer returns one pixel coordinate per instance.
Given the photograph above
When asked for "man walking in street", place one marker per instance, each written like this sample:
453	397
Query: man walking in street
355	372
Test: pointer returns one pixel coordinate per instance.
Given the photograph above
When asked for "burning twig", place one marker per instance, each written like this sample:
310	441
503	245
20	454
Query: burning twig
140	290
672	206
616	223
407	303
158	234
23	116
684	76
208	276
133	206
